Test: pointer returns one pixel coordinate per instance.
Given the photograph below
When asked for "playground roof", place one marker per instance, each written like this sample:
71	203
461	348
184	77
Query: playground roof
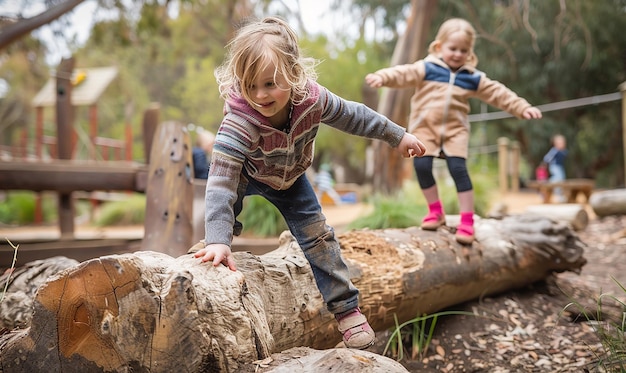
85	92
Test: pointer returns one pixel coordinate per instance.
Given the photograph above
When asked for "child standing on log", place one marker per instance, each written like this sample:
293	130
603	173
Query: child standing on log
264	145
444	81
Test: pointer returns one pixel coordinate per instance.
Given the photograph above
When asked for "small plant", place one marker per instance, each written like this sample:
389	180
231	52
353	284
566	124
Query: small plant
612	334
418	331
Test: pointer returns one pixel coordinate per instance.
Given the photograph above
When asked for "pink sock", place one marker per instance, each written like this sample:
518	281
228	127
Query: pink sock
436	208
467	218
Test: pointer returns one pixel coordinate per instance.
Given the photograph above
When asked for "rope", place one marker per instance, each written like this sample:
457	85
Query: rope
593	100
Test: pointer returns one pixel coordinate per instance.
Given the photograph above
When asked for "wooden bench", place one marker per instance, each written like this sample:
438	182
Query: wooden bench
571	188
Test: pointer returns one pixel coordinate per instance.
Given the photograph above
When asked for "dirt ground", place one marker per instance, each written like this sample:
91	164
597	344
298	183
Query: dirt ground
537	328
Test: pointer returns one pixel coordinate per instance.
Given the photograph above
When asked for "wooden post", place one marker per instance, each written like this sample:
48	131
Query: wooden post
93	131
65	129
128	130
622	88
23	150
150	124
38	215
515	156
503	163
169	194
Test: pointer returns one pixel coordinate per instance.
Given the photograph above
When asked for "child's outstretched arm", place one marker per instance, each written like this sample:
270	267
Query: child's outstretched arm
532	113
411	146
374	80
218	253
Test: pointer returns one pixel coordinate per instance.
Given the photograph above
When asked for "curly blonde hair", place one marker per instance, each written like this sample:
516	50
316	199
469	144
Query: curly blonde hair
448	28
257	45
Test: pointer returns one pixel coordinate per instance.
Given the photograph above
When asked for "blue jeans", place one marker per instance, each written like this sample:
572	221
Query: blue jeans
557	173
303	214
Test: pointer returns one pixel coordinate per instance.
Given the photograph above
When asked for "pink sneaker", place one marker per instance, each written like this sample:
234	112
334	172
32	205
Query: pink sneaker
357	332
433	221
464	234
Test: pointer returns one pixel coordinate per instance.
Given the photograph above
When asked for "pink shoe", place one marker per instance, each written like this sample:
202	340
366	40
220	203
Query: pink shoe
357	332
433	221
464	234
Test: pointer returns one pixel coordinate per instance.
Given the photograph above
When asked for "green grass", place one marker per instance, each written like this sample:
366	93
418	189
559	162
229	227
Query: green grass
415	335
391	212
407	207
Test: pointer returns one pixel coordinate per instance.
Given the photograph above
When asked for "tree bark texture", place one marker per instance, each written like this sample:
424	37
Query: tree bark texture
148	311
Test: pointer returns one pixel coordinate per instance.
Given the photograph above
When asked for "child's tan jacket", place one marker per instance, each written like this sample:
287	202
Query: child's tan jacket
440	107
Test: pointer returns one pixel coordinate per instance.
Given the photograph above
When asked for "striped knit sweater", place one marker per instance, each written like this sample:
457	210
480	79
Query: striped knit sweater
276	158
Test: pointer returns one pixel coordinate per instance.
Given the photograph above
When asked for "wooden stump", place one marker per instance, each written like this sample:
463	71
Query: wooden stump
609	202
570	213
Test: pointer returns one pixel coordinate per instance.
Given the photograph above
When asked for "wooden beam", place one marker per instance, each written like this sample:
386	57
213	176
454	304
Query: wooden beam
66	176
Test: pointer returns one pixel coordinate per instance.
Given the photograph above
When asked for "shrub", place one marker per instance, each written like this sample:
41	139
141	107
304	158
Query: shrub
261	218
130	211
18	207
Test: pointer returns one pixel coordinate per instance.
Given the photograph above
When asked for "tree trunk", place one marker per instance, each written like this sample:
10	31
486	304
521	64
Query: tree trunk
570	213
608	202
394	103
148	311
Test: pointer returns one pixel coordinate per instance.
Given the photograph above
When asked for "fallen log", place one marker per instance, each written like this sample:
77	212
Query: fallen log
148	311
571	213
609	202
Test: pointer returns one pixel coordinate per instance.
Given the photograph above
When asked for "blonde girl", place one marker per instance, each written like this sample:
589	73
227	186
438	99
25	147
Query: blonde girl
273	110
443	82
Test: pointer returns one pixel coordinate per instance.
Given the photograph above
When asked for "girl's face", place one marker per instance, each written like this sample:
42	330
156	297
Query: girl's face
455	50
270	96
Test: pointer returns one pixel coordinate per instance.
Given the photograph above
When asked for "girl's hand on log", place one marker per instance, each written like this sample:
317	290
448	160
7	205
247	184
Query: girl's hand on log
218	253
